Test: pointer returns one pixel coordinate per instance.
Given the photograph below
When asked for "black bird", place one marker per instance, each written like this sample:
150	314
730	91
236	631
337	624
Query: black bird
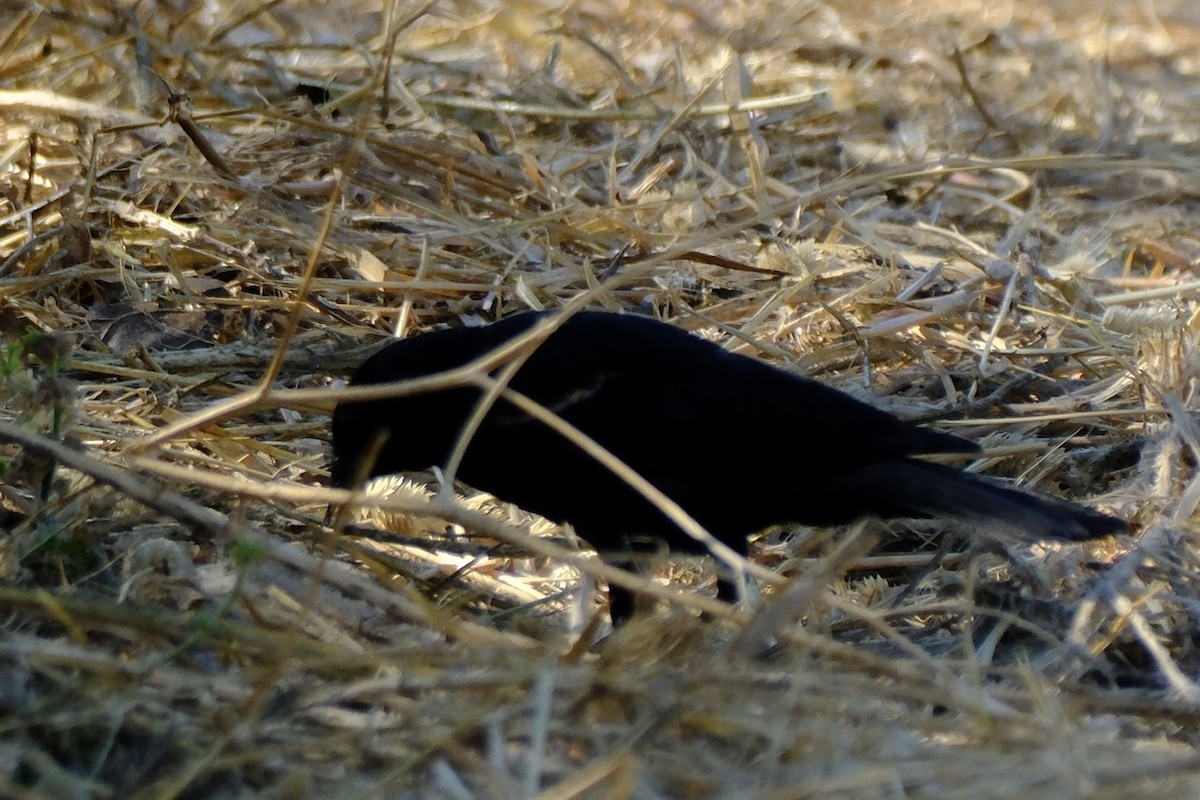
737	443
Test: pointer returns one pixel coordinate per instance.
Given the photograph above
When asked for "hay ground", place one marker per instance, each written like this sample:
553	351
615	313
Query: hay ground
983	215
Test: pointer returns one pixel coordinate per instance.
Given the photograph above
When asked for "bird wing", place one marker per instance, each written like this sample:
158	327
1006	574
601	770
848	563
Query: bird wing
639	383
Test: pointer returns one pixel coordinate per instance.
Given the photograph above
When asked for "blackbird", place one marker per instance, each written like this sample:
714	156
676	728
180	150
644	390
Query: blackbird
740	445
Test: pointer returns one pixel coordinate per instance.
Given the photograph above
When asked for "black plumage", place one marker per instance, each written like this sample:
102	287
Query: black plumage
739	444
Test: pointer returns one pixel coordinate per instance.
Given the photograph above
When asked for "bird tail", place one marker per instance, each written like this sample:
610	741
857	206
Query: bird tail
922	489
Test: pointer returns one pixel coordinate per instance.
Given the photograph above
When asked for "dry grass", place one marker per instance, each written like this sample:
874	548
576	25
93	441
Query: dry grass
985	218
